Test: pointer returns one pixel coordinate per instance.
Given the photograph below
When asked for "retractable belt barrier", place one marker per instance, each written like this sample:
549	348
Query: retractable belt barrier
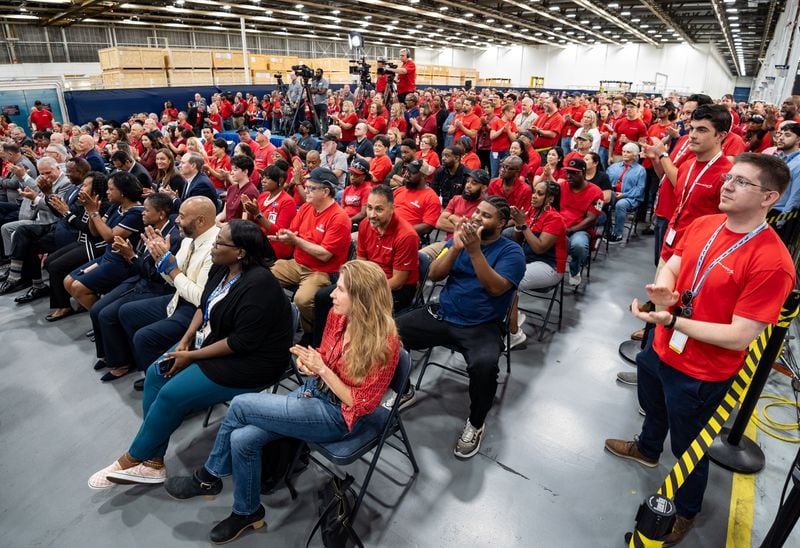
782	217
656	515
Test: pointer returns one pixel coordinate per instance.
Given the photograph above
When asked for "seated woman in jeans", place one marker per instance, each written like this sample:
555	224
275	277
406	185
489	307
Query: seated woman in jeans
238	342
349	375
543	236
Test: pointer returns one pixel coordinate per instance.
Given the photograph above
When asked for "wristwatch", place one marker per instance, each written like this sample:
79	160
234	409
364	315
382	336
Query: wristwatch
259	215
663	155
521	228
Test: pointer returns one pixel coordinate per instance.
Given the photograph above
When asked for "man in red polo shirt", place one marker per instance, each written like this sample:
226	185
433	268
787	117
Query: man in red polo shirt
320	234
466	123
264	149
41	119
406	75
502	130
415	201
459	208
390	242
511	186
627	130
572	115
547	127
699	181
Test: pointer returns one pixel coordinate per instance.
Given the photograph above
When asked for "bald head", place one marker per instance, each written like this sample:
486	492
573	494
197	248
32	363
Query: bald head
85	142
196	216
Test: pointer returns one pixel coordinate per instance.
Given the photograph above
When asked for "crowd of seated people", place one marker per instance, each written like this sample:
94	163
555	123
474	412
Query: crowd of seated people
183	248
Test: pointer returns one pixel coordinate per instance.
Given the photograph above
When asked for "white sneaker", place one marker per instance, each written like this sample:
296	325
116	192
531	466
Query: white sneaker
406	400
98	479
575	280
521	319
146	472
470	441
518	338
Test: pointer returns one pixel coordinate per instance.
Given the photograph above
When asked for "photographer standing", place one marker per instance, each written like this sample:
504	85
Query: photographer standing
295	96
319	89
406	75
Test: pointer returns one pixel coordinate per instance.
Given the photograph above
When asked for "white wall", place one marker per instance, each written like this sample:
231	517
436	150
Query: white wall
689	69
49	70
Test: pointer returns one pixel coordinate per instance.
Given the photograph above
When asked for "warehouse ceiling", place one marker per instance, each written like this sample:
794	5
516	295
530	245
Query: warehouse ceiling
741	29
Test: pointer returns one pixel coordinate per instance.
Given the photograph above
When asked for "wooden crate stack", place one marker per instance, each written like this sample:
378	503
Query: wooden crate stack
189	67
128	67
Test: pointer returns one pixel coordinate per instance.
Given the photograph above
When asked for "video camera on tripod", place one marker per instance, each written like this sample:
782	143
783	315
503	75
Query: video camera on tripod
303	71
382	64
361	68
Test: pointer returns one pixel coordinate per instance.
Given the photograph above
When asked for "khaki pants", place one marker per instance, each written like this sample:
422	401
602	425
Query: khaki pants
289	274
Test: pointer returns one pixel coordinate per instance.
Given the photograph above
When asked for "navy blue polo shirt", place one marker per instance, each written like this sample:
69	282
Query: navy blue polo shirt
464	301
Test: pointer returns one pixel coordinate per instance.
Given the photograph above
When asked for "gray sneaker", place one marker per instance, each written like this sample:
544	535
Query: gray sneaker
628	377
406	400
469	442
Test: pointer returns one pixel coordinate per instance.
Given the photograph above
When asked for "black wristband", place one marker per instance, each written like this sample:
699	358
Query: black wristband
671	324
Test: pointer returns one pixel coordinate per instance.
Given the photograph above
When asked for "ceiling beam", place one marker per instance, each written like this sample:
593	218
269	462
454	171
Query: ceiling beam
608	16
666	19
73	14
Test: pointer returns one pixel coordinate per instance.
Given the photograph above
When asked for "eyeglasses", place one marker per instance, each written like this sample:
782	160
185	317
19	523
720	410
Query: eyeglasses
741	182
218	243
312	188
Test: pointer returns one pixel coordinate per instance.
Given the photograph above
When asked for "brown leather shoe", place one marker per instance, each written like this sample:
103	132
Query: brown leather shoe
638	335
629	450
679	530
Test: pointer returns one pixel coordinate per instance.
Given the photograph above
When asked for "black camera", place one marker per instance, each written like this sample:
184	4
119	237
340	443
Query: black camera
382	69
278	76
303	71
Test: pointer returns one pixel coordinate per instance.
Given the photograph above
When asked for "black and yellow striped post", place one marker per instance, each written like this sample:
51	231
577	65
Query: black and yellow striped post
657	513
782	217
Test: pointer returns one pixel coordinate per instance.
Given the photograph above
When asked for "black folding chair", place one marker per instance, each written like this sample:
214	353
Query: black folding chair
553	294
372	432
419	297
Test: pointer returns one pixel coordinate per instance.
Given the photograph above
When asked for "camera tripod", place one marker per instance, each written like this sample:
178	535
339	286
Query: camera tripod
308	98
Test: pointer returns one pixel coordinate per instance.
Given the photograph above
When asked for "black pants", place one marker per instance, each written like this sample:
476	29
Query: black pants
29	241
401	299
480	345
59	264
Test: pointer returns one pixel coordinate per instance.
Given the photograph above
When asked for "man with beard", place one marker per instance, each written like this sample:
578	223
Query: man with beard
581	204
788	141
153	325
415	201
790	111
483	270
448	179
460	208
390	242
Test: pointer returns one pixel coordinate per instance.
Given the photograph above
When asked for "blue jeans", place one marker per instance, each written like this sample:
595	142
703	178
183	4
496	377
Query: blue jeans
578	251
254	420
681	405
494	163
660	231
603	153
167	400
566	144
621	209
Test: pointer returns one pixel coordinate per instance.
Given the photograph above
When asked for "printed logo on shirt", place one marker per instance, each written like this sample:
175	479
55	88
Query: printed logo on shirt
726	269
321	228
387	247
415	203
704	185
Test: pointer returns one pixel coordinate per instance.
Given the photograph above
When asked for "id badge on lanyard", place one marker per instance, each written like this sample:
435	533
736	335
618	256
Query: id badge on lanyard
201	334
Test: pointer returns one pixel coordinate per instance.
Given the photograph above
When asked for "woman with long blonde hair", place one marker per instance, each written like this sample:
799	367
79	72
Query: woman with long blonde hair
348	376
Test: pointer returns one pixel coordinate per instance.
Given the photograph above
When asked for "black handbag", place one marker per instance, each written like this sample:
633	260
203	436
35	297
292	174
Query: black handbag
336	500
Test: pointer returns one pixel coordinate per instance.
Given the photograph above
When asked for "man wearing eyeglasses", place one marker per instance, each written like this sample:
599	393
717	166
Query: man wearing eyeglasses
320	235
721	287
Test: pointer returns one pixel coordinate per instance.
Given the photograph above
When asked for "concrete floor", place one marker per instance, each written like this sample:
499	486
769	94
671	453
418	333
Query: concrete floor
541	478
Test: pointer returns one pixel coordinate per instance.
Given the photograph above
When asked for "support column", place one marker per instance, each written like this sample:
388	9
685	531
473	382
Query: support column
245	54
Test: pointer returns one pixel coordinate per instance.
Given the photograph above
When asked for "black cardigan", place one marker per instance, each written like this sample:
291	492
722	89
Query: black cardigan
256	318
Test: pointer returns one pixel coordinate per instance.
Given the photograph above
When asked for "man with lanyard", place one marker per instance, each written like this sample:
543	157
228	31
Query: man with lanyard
720	288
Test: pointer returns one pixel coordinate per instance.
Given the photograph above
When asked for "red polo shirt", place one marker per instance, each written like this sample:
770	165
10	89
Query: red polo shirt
354	198
470	121
395	249
575	205
280	213
632	129
407	83
548	122
43	119
329	228
417	206
519	195
502	143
